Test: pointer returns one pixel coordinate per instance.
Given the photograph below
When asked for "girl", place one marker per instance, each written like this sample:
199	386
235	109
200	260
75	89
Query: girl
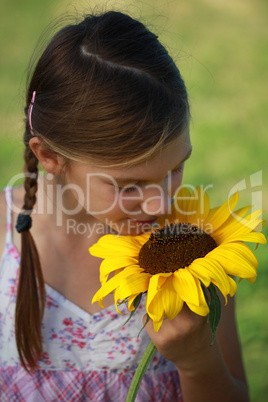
107	116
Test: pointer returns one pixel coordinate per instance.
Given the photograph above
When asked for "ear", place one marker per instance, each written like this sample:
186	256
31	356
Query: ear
51	161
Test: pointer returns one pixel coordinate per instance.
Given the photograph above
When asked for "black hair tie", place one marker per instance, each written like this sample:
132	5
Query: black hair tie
24	222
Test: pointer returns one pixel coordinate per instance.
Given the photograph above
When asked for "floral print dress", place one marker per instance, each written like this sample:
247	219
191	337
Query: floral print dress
85	357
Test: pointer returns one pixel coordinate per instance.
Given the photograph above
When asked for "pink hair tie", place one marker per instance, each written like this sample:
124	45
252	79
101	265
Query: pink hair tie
30	112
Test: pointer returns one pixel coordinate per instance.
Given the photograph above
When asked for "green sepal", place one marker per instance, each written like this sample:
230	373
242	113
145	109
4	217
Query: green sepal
136	303
147	320
214	305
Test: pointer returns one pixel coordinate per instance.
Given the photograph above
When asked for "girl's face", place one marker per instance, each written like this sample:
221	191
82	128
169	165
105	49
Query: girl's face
128	200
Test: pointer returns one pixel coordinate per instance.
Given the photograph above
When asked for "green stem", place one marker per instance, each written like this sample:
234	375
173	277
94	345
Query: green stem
135	384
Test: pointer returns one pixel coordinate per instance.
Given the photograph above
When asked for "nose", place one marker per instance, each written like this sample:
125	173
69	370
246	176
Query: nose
156	201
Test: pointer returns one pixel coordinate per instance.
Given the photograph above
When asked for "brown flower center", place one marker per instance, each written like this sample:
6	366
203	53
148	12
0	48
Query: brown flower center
173	247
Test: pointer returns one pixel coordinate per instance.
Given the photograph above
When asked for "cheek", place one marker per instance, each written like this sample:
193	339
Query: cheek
103	200
108	201
128	203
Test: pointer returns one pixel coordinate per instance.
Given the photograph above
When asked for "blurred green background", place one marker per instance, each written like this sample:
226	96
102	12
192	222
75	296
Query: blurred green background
221	48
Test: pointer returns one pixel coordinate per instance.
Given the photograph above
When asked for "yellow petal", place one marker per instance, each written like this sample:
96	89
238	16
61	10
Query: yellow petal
233	286
191	208
202	307
185	286
234	229
205	267
133	284
172	302
200	310
180	204
231	223
241	250
238	214
183	194
109	245
252	237
155	308
114	282
251	280
111	264
155	284
130	302
235	217
200	206
217	216
157	324
232	262
260	226
142	239
116	298
202	300
154	304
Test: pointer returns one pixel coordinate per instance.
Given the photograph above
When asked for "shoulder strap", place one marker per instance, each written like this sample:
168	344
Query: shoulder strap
8	192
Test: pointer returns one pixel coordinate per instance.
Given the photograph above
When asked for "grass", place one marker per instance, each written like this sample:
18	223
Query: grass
220	47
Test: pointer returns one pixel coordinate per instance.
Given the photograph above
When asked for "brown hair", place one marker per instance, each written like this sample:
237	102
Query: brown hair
106	89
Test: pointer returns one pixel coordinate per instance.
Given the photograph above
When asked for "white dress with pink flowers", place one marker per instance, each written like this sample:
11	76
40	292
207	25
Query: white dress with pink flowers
85	357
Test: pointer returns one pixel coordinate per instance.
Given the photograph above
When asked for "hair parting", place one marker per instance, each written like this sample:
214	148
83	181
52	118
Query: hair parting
30	112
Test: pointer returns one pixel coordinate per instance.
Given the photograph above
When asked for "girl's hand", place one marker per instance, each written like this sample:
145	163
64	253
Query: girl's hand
184	340
207	373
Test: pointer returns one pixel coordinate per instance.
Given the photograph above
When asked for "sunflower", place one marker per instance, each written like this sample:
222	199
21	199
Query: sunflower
194	247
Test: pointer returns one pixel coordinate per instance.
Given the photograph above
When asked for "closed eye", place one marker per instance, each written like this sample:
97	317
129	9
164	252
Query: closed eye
178	169
128	189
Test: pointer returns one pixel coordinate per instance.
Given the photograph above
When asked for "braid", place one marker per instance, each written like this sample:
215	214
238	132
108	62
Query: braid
31	290
30	181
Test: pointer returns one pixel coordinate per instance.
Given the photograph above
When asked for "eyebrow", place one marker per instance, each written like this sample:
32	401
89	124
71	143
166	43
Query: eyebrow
135	180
